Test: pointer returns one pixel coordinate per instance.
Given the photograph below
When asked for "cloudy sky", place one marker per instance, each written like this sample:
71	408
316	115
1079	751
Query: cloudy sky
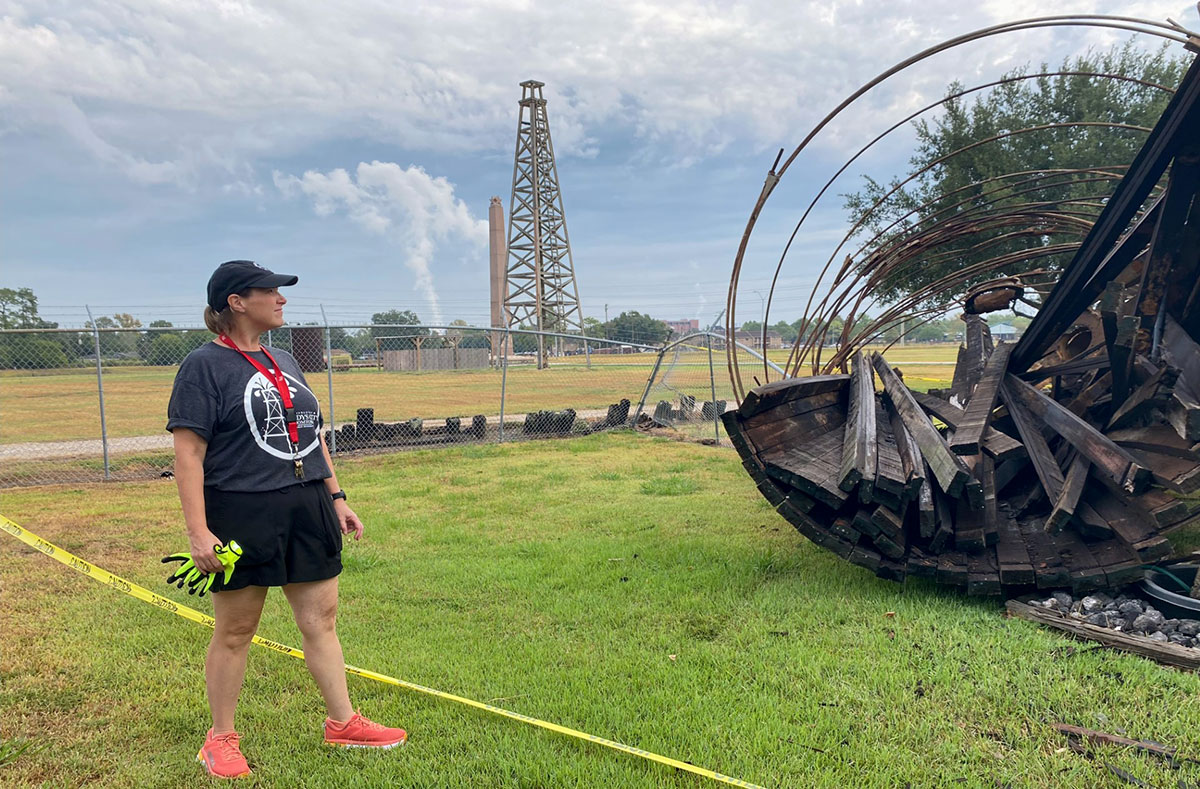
357	144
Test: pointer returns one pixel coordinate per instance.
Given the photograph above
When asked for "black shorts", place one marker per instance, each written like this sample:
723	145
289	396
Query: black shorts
287	536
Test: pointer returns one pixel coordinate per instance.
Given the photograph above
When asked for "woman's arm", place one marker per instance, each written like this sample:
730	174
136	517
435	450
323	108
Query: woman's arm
190	449
346	517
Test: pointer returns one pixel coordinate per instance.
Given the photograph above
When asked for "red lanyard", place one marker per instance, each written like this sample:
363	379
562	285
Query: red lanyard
275	376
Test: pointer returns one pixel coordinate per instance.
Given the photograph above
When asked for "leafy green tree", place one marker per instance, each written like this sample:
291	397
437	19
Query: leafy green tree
633	326
19	310
405	318
934	194
167	348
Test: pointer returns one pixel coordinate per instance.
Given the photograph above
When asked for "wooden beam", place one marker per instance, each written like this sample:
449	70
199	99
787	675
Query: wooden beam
949	471
1068	499
858	448
975	357
778	392
1109	459
910	455
1154	392
1000	446
1170	654
1048	472
890	475
969	434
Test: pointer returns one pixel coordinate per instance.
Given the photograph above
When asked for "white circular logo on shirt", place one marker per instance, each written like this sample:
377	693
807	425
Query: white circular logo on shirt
268	421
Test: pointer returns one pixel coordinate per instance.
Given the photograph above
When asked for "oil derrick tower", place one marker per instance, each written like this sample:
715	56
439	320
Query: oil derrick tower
540	288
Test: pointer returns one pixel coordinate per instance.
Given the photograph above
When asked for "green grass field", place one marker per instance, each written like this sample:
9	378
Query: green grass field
634	588
63	404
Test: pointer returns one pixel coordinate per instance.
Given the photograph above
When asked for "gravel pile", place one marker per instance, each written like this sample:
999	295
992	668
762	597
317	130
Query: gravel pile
1126	614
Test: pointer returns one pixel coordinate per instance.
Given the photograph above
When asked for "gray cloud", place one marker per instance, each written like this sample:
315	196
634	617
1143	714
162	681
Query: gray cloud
217	85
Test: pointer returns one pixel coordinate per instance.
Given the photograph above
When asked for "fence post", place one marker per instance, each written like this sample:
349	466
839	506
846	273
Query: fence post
587	349
329	375
712	383
503	379
649	382
100	389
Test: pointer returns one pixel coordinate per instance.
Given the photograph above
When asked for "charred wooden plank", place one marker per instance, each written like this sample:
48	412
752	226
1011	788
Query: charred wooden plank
781	391
1121	565
968	528
983	574
1175	463
1085	572
795	432
1075	366
892	570
1048	569
910	455
968	435
947	468
1048	471
813	475
889	523
1183	411
1121	468
997	444
858	447
1171	654
865	557
1122	355
921	564
890	477
952	569
926	516
1183	183
1012	556
943	520
1089	523
844	530
1131	523
985	469
1091	394
1154	392
792	409
973	361
1068	498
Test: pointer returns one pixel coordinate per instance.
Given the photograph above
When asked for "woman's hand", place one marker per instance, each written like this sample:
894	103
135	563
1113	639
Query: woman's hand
347	519
202	542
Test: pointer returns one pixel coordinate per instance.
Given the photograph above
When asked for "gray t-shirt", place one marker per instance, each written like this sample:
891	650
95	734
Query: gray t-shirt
220	396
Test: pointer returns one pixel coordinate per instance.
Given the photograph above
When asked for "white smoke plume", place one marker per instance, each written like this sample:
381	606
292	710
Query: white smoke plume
418	209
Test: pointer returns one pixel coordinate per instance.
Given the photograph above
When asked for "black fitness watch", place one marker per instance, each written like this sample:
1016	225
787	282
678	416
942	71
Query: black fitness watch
341	494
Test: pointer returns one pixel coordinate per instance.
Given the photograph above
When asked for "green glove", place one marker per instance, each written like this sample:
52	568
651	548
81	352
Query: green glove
196	579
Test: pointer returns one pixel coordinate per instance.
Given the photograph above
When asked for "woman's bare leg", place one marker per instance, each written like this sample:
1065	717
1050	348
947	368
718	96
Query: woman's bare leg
237	614
314	605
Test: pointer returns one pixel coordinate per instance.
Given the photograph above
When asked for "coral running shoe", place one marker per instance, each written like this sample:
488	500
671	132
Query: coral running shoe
222	757
358	732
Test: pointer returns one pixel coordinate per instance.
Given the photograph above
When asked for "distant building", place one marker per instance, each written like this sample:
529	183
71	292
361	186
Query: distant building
1005	332
682	327
754	339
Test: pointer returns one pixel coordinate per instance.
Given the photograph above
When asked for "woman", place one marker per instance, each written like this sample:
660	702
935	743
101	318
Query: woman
252	466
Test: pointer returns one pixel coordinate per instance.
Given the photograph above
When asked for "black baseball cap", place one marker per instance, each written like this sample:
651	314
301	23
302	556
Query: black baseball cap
237	275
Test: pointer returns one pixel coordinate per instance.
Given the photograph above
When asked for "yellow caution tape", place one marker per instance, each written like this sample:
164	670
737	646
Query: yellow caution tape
145	595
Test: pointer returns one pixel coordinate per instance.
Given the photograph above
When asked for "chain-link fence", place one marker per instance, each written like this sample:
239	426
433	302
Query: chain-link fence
690	387
90	404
